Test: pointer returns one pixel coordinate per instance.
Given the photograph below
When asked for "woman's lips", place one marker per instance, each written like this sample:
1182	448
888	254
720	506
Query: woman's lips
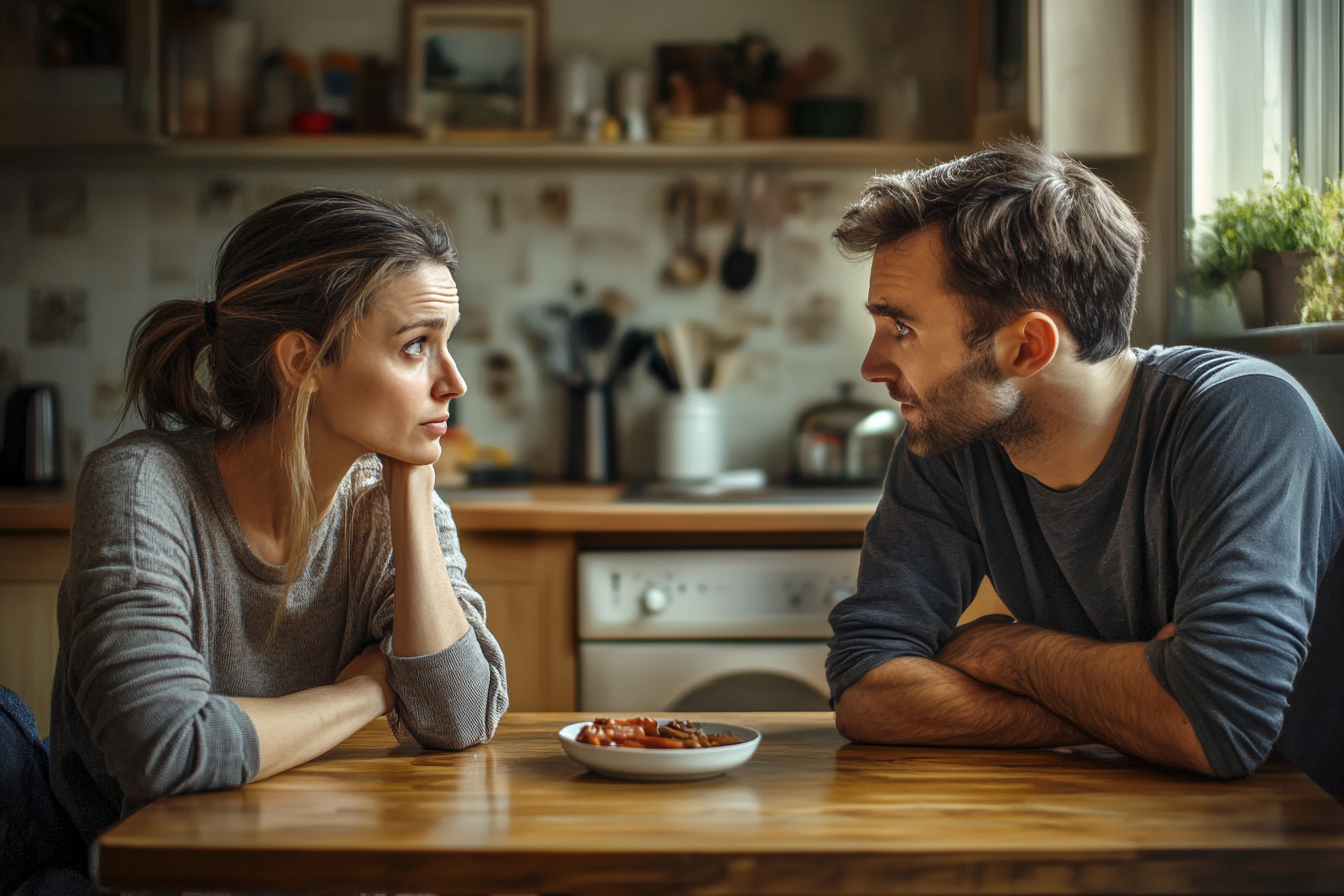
436	427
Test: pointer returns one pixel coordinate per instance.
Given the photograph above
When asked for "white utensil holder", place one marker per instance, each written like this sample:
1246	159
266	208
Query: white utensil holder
690	440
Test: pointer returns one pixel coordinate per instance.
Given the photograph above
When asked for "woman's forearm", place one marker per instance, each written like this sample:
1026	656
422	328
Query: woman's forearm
426	617
300	726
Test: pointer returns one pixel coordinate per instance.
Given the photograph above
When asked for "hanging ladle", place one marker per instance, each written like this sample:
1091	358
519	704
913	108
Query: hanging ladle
688	265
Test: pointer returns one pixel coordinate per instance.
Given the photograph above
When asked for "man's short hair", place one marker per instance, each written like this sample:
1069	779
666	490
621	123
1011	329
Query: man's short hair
1021	230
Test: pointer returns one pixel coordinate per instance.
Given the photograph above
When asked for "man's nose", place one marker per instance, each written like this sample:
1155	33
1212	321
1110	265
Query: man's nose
877	366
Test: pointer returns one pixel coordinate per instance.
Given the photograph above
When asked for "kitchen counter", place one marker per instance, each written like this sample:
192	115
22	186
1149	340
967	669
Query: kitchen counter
521	546
547	508
42	509
809	813
584	509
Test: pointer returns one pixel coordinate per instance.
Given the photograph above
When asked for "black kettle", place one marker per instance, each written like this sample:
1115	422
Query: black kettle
32	449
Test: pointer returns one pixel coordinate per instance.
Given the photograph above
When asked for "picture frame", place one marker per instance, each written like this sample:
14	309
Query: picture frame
474	66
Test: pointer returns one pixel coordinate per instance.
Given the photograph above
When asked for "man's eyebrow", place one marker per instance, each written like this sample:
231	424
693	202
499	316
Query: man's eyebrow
893	312
428	323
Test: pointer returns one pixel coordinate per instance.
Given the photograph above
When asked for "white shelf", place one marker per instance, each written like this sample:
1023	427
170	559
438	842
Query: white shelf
877	154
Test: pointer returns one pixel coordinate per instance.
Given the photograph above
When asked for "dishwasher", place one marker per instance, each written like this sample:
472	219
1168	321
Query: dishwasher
730	630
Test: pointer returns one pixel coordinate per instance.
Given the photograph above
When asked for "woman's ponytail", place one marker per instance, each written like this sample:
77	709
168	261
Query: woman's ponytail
168	380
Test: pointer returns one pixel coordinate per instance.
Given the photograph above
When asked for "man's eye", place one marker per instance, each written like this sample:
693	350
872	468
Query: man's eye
901	330
416	347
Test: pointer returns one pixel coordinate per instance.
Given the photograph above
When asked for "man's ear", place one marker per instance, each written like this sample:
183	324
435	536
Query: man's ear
1028	344
295	354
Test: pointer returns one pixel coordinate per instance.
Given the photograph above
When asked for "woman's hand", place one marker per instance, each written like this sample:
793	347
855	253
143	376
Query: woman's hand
427	617
371	664
402	478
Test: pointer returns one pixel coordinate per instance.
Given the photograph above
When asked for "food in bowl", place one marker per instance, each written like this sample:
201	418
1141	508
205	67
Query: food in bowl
646	734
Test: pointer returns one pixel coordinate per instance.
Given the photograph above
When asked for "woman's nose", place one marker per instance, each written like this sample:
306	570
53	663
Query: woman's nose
450	383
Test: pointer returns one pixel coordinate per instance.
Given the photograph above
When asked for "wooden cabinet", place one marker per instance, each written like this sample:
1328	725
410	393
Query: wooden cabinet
31	567
527	580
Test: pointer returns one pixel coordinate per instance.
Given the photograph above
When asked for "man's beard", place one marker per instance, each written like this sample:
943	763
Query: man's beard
972	405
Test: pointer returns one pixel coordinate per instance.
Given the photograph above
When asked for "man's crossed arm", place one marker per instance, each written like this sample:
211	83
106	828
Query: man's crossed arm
1002	684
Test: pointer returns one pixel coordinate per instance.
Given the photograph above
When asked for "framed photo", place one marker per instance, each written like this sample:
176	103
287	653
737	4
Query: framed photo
473	65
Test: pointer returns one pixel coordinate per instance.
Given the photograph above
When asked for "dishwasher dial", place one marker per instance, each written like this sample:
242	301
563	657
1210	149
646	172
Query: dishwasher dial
655	600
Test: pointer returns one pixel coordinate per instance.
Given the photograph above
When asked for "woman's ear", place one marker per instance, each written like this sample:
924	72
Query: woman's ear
295	354
1028	344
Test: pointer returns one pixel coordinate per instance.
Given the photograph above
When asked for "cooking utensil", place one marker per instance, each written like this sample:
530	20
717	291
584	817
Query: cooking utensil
659	368
723	369
738	269
845	441
688	265
632	345
682	354
33	439
592	330
551	333
591	447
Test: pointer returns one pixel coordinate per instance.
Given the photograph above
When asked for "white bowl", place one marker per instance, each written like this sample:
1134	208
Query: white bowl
662	765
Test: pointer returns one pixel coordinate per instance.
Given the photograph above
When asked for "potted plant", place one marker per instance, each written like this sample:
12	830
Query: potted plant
1321	283
1274	230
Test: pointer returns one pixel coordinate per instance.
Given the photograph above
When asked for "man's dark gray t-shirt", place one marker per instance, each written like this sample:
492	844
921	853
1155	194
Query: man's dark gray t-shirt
1218	507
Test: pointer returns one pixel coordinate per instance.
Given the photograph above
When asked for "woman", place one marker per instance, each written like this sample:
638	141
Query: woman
266	568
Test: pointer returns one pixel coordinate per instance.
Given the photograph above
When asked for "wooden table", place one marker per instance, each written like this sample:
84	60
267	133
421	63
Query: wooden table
809	814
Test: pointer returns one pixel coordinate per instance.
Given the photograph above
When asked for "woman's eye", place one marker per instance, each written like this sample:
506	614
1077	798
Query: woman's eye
901	330
415	348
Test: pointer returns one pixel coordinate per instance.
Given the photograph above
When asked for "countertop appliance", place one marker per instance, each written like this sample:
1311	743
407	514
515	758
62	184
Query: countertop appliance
685	631
844	442
31	454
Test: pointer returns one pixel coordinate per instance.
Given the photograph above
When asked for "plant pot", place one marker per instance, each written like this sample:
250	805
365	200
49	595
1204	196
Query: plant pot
1278	282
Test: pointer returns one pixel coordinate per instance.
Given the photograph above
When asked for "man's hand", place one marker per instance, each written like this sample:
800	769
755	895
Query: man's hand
371	664
1104	689
968	650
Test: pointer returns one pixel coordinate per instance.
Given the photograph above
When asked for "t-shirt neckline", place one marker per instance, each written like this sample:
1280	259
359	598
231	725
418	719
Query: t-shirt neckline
1121	448
208	468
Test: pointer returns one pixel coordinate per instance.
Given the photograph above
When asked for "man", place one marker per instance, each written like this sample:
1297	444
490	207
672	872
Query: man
1157	521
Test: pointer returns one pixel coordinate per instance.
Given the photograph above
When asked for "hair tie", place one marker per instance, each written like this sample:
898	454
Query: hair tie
211	322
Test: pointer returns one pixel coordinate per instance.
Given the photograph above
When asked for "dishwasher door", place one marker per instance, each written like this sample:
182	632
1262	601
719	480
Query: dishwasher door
624	677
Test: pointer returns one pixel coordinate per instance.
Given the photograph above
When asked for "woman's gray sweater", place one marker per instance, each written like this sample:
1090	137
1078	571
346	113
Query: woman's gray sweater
165	614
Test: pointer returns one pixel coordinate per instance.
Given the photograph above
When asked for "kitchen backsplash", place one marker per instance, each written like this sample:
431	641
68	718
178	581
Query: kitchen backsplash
84	255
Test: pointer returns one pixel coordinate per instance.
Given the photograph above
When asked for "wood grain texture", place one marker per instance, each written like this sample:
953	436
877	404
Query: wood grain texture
28	645
32	564
28	556
527	581
809	814
555	509
585	516
52	509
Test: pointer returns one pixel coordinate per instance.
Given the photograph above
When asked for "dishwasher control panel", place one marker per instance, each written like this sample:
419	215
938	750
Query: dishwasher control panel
730	593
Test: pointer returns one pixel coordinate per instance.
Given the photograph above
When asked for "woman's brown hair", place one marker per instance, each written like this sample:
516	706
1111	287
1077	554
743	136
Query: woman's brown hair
312	262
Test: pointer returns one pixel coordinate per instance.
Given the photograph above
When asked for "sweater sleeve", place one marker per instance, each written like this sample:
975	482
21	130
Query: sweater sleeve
920	565
138	681
452	699
1250	485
